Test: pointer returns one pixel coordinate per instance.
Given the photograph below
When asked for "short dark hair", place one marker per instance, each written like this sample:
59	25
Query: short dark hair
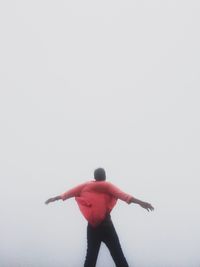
100	174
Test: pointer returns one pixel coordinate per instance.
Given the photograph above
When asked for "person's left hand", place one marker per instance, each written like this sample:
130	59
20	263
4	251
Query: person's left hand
49	200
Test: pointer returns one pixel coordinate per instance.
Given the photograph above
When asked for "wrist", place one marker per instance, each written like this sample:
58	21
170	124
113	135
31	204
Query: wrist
56	198
137	201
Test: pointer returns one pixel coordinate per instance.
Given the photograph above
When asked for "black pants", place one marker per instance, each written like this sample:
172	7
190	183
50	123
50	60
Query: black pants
106	233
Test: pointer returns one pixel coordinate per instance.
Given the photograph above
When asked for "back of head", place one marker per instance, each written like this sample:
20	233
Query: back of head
100	174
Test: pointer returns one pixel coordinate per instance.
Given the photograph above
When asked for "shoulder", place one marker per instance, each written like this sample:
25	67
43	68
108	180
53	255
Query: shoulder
101	186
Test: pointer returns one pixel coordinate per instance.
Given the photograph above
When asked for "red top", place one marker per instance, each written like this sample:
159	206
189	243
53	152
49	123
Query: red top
96	199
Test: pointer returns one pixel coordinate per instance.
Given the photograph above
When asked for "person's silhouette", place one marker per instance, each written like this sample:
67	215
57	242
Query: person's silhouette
96	200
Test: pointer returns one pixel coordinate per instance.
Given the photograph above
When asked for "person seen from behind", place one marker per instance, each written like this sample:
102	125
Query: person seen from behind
96	199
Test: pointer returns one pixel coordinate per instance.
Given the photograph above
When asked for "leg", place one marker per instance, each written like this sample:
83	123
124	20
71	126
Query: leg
112	242
93	245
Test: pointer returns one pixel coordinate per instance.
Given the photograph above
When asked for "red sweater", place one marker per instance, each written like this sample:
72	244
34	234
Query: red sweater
96	199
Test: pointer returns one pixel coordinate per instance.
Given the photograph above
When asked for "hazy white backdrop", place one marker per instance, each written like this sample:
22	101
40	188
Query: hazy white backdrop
99	83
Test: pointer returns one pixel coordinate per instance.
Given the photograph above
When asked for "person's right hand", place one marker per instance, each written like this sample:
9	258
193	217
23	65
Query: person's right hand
147	206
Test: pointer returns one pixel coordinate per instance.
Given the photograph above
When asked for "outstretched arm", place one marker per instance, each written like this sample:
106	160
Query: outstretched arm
74	192
143	204
128	198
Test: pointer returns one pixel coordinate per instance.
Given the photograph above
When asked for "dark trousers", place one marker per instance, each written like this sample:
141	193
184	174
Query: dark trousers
106	233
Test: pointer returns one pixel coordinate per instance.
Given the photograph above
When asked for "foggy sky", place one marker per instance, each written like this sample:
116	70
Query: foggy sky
87	84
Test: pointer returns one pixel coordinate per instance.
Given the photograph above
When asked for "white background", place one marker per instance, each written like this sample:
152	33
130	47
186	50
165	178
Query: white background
87	84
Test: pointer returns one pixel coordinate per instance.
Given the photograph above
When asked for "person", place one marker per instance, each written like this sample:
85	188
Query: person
96	199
